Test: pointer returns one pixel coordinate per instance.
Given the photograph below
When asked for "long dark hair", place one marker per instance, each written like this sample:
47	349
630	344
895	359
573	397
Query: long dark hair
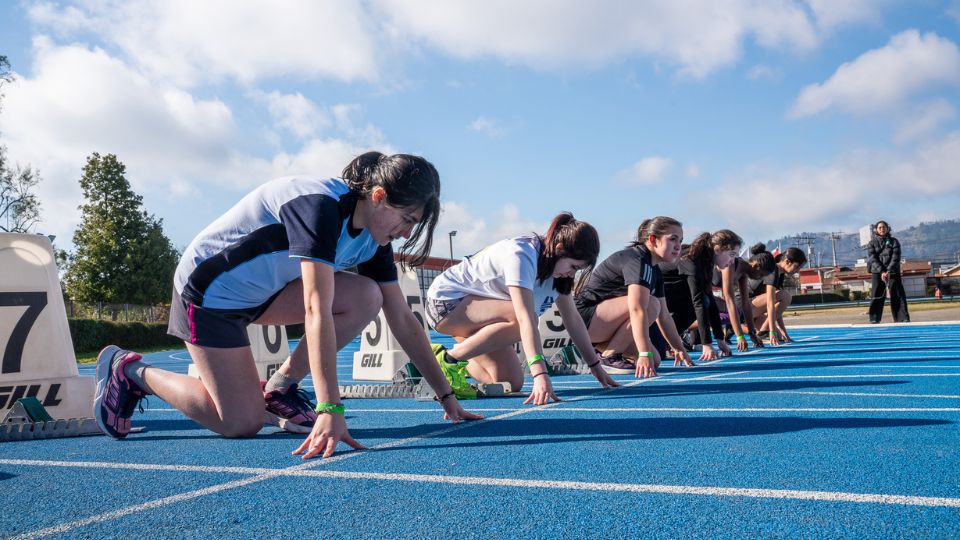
657	226
409	181
877	224
794	255
762	258
576	240
701	249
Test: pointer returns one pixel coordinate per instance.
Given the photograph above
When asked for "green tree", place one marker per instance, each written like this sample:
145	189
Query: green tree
122	255
19	205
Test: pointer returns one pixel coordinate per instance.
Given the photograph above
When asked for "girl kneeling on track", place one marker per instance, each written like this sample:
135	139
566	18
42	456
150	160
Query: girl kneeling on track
760	265
689	289
770	300
494	298
277	257
623	298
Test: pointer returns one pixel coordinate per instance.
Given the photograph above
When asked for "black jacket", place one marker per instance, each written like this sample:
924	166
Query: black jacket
883	255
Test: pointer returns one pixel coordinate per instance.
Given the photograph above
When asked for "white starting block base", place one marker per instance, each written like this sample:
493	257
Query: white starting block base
371	366
63	397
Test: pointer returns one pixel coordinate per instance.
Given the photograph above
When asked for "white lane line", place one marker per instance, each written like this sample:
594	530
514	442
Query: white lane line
861	394
99	518
758	409
879	375
714	376
692	409
788	360
787	494
923	366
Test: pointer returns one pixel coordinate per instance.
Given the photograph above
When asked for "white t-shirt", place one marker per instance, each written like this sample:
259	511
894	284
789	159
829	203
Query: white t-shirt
488	273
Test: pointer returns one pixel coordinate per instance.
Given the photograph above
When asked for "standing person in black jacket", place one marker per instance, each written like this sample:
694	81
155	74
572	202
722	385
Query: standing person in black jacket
884	265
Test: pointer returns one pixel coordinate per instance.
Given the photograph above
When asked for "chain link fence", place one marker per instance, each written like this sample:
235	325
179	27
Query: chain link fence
103	311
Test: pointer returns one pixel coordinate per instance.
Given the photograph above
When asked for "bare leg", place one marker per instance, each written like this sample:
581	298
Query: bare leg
486	330
497	366
611	328
226	399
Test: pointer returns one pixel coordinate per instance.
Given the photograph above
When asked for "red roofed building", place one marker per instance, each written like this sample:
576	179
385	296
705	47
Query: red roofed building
819	279
914	274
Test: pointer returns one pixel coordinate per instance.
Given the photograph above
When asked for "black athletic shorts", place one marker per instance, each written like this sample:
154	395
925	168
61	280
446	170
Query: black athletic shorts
209	327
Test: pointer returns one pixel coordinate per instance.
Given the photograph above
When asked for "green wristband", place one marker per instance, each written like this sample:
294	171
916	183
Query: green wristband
646	354
742	337
323	407
534	359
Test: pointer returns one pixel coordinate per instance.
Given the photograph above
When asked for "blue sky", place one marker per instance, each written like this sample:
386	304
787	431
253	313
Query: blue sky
767	117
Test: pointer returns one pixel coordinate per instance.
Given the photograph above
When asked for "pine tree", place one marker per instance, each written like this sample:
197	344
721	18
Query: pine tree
122	255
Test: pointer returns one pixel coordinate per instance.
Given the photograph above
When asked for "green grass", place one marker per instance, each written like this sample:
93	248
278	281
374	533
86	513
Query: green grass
91	357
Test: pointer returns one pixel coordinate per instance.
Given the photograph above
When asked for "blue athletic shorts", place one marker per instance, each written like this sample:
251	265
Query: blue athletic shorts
209	327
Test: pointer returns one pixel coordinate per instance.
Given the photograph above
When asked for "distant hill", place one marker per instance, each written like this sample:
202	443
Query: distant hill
938	241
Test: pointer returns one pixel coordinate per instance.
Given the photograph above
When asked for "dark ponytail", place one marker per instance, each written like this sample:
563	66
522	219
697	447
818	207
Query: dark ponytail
702	253
794	255
576	240
657	226
762	259
409	182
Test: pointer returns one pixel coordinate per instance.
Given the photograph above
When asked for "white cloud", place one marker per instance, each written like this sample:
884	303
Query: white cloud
953	11
81	100
297	114
851	191
488	126
649	170
693	171
188	43
883	78
474	232
923	120
761	71
832	13
697	37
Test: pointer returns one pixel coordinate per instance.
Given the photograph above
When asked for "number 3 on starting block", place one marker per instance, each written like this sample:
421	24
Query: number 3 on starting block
380	355
37	353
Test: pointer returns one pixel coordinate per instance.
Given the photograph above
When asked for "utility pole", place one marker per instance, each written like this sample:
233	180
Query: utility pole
833	239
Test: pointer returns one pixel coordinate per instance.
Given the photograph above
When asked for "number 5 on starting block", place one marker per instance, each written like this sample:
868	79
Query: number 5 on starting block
380	355
36	352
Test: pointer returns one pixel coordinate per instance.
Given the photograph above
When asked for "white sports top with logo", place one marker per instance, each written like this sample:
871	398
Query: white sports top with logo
488	273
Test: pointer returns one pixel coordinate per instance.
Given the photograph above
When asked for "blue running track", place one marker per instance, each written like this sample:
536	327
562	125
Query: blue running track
848	432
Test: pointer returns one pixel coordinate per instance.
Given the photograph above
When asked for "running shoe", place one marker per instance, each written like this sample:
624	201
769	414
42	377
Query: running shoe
117	396
616	364
455	373
291	409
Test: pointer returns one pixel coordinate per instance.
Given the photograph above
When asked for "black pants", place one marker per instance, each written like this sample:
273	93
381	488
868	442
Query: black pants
898	299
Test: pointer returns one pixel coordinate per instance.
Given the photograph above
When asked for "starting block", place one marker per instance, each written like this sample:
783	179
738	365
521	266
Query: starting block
380	355
270	349
566	361
407	382
37	359
28	419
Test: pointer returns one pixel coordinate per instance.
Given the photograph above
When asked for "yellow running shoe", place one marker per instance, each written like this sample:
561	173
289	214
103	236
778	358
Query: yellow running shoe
456	374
